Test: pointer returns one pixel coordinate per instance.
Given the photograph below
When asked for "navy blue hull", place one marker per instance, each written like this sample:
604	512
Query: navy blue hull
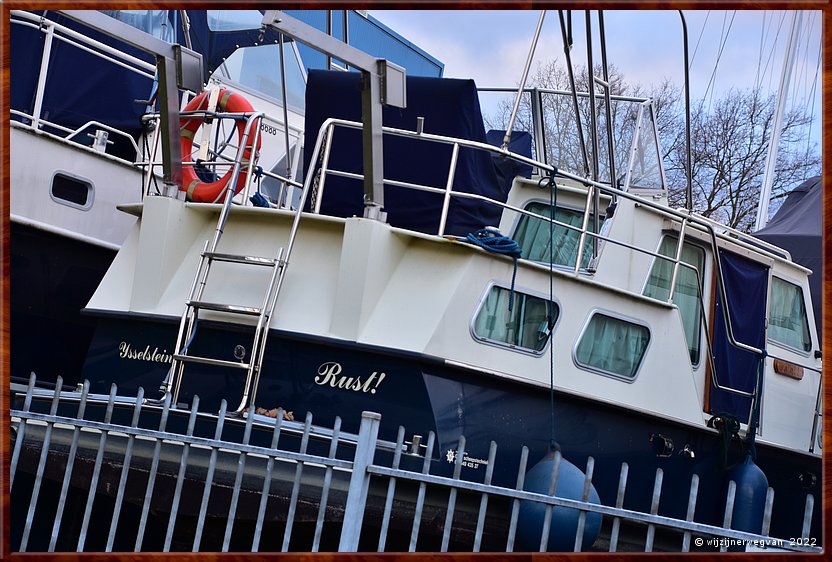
52	278
332	378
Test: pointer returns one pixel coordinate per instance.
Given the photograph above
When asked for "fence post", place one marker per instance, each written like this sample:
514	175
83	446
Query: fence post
359	482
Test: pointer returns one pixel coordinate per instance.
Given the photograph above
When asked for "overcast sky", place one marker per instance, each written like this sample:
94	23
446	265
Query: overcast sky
491	46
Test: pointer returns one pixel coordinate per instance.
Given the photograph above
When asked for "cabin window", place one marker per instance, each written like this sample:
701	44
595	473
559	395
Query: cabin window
525	328
787	320
72	191
612	346
533	235
687	294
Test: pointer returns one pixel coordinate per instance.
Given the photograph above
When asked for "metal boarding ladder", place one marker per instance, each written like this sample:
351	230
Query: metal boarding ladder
195	302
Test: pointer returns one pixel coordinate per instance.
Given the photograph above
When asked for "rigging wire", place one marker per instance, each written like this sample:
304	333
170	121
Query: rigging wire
803	78
760	52
773	49
723	42
704	24
812	104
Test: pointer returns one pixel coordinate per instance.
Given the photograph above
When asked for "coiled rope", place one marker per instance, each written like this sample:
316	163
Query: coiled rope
493	241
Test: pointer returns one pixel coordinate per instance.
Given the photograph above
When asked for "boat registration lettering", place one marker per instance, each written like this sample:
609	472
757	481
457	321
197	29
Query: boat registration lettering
127	351
330	374
469	462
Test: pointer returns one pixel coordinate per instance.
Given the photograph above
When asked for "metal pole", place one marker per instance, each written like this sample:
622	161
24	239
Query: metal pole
285	106
510	126
689	189
176	66
607	102
372	69
593	118
774	142
373	154
44	65
359	482
329	32
567	46
539	126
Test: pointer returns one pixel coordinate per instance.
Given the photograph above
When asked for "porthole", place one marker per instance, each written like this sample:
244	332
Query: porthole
72	191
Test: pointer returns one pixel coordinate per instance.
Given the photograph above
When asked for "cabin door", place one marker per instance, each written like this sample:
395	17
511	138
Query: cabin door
746	288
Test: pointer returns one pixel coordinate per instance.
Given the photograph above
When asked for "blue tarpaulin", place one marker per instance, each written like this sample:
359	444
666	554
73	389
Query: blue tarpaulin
798	228
451	108
746	288
80	86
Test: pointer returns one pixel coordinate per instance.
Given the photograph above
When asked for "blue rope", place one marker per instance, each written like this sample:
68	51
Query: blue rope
495	242
257	199
550	184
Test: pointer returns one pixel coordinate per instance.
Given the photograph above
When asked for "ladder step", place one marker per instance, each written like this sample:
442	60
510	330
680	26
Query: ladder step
232	308
234	258
209	361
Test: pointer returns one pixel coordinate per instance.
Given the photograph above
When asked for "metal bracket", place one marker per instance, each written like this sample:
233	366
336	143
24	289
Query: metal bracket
176	66
382	83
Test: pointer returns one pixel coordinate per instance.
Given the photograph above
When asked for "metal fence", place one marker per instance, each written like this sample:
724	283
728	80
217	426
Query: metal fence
93	472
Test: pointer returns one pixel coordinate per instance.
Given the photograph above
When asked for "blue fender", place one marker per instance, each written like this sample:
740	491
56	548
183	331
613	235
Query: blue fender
564	525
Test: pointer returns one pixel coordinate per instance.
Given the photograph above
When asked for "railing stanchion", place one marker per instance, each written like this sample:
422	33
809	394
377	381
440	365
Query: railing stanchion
359	482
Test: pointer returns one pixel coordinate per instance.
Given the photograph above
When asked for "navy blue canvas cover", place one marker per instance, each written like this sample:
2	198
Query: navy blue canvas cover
81	87
746	288
519	143
450	107
798	227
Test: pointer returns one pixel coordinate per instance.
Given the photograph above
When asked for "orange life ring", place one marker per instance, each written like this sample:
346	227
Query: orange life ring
196	189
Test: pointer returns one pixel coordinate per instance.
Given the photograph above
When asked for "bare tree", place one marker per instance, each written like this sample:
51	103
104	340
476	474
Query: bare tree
730	145
729	140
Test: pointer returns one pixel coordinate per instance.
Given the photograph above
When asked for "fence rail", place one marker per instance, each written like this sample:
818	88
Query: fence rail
175	479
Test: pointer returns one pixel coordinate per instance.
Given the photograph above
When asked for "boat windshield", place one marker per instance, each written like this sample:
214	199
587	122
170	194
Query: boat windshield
234	20
258	68
635	146
152	22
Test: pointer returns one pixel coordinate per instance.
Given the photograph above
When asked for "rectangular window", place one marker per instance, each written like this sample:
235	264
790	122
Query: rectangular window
688	292
612	346
71	191
533	235
526	327
787	321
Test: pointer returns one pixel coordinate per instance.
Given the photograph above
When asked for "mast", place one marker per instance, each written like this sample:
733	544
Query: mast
774	142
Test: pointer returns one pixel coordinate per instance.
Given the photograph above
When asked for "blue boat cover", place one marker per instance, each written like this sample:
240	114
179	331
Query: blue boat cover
520	143
450	107
746	288
798	227
104	92
99	90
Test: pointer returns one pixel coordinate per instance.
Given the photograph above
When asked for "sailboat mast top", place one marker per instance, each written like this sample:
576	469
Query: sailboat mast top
774	142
